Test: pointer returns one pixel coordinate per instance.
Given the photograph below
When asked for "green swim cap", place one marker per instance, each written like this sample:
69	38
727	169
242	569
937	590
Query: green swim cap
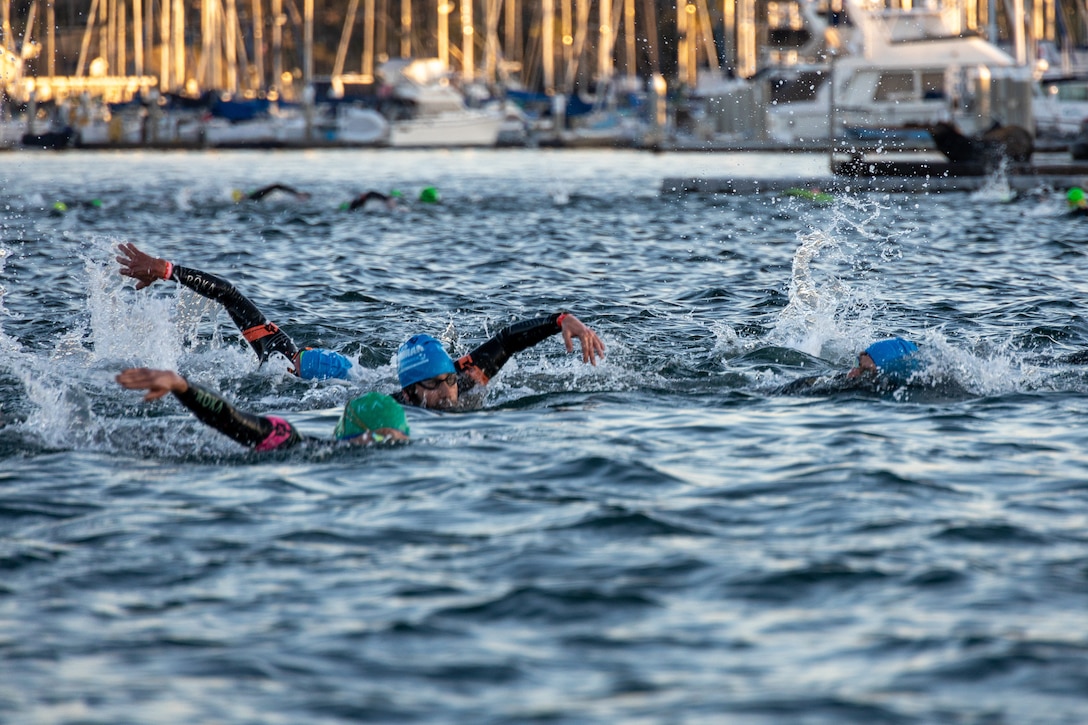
396	193
96	203
369	413
344	206
60	206
429	195
1075	195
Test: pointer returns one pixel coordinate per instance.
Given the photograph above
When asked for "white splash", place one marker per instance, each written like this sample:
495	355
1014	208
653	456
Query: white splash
833	289
996	188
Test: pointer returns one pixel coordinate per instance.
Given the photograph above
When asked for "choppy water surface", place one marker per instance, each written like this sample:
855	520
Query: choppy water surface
663	538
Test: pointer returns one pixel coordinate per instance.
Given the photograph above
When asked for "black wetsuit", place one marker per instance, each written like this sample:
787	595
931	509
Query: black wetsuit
255	431
262	335
475	368
483	363
266	190
362	199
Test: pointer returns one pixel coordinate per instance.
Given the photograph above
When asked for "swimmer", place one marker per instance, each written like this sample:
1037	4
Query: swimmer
59	207
418	370
390	200
892	361
263	335
264	191
816	195
1078	204
430	378
368	419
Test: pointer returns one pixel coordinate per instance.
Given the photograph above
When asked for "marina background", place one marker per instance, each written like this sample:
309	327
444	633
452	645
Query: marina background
755	74
663	538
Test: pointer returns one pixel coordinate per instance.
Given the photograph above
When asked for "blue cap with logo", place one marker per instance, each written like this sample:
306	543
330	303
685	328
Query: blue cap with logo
895	357
318	364
421	357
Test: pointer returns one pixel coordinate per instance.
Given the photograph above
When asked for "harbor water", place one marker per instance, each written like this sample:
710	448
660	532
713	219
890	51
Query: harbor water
666	537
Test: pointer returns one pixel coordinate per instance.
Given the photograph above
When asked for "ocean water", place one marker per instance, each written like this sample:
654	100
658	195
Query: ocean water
663	538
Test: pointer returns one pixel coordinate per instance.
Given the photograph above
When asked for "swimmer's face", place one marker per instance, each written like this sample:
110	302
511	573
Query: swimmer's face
382	435
865	366
437	392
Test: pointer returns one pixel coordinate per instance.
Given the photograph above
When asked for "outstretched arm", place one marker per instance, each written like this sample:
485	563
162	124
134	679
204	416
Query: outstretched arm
266	190
254	431
483	363
263	335
572	327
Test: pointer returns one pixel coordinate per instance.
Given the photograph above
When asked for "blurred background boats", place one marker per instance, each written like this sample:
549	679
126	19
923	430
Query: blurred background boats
767	74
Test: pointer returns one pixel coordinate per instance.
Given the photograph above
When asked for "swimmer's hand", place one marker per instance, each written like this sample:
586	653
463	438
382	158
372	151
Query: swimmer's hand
143	268
592	347
157	383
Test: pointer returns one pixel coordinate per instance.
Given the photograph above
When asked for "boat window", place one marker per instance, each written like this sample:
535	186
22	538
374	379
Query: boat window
895	86
803	87
932	84
1070	92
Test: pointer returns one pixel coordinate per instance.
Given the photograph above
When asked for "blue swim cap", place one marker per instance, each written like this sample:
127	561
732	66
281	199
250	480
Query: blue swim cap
422	357
895	357
316	364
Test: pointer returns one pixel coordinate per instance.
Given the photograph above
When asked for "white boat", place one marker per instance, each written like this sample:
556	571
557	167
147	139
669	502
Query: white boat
465	127
917	69
431	112
356	126
1060	105
902	70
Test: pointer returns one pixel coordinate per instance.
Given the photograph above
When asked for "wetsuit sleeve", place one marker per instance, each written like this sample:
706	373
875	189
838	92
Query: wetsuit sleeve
362	199
263	335
483	363
254	431
266	190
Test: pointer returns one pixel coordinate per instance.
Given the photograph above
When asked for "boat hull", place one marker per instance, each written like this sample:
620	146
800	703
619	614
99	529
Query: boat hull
448	129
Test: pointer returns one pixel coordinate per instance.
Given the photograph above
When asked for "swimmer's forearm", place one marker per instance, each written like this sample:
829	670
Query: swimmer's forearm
213	410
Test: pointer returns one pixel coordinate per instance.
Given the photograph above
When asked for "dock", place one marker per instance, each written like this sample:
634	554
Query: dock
920	177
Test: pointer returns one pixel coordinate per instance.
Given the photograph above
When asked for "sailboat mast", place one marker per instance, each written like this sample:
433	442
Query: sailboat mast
368	42
405	28
137	36
122	38
50	39
308	44
165	82
629	38
345	39
5	24
258	43
512	49
567	39
468	60
729	33
277	44
491	40
444	32
604	43
231	48
547	46
177	28
204	65
104	39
